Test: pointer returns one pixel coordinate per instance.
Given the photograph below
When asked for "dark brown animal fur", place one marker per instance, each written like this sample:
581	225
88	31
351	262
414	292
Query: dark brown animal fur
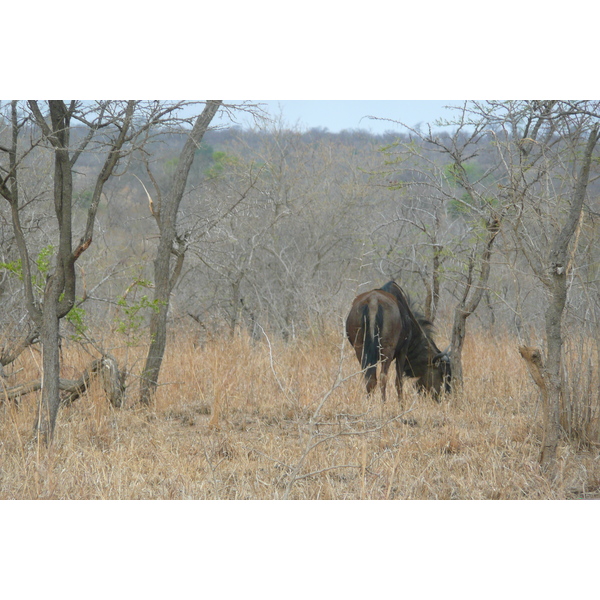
424	359
374	328
380	334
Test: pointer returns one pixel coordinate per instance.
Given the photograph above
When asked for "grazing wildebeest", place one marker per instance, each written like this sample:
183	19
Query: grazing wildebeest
380	334
374	328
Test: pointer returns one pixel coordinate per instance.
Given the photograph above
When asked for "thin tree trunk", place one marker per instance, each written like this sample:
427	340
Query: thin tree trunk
50	397
59	296
164	277
559	269
468	305
433	286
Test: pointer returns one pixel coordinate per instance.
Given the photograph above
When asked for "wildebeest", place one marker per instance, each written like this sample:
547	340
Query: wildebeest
416	353
374	328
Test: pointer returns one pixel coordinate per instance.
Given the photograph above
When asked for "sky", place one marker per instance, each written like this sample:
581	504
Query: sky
337	115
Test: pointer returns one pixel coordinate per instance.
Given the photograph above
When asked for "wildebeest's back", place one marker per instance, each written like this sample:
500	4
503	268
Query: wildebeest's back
422	354
386	317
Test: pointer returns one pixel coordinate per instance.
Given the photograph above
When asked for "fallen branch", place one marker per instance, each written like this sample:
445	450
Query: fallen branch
106	368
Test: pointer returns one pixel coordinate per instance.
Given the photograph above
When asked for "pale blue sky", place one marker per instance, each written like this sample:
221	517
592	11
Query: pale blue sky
336	115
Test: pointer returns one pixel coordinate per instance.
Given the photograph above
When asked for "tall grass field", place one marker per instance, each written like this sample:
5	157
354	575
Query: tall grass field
236	418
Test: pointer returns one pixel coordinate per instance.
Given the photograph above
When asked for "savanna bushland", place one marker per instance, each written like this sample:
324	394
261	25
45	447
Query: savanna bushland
490	224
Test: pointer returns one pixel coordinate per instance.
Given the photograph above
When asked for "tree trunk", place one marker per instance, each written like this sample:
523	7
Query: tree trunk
559	268
50	398
468	305
164	277
59	296
551	408
433	287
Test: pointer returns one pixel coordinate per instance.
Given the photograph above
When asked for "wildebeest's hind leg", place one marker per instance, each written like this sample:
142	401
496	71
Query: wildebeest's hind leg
385	365
370	371
371	378
400	360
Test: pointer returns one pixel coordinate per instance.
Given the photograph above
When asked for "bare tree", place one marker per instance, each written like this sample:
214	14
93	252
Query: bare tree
438	171
559	264
170	245
547	150
65	131
472	294
59	295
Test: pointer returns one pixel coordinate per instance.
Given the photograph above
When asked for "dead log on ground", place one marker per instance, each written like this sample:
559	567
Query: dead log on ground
105	368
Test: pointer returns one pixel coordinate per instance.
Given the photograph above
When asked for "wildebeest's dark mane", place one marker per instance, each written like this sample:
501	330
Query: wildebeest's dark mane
421	346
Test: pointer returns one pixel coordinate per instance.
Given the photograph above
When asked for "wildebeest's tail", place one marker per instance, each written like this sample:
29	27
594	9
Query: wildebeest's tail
372	318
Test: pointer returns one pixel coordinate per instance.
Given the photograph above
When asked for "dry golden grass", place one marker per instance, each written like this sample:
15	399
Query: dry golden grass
269	420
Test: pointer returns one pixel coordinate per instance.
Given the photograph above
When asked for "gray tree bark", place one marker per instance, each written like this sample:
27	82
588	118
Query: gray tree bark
470	301
166	275
559	266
